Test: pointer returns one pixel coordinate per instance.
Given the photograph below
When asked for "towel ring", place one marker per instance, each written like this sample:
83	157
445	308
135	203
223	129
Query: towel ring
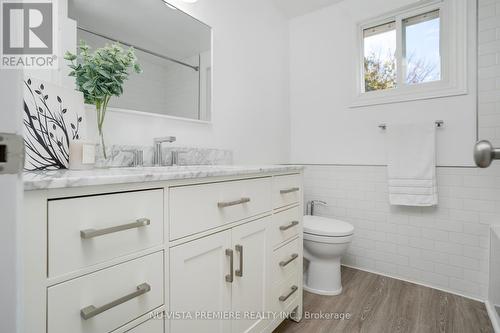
439	124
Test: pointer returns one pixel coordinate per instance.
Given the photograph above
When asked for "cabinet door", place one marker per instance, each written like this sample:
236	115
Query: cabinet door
250	282
198	271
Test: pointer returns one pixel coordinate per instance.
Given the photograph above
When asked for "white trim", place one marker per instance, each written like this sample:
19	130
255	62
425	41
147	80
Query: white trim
400	64
492	313
91	107
454	67
427	16
379	29
416	282
493	316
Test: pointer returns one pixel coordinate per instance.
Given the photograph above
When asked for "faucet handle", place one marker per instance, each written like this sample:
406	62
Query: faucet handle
321	202
175	157
138	156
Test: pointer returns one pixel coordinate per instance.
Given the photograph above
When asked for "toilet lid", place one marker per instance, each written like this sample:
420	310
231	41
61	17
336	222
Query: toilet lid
323	226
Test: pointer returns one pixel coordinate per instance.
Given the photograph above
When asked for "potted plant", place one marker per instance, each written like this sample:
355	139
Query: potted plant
101	75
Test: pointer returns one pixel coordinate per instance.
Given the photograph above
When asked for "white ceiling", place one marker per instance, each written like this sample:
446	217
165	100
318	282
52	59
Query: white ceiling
293	8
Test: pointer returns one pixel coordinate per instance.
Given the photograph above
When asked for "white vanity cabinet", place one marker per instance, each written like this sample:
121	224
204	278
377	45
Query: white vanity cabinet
224	272
197	208
88	230
197	281
250	286
220	254
107	299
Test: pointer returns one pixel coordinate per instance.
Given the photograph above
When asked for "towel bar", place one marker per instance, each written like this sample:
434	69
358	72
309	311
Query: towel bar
439	124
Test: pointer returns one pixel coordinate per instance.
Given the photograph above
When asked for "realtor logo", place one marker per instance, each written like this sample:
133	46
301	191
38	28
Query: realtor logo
28	34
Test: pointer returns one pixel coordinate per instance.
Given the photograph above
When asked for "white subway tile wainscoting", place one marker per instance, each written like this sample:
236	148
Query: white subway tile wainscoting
445	247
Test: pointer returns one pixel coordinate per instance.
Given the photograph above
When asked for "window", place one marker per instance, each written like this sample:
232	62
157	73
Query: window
380	57
422	48
417	52
421	57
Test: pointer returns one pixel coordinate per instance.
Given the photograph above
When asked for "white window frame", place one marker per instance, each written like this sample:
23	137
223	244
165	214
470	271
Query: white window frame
453	50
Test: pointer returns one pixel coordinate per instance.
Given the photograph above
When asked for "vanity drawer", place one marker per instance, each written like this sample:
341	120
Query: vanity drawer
129	290
89	230
286	262
287	190
286	225
285	297
151	326
197	208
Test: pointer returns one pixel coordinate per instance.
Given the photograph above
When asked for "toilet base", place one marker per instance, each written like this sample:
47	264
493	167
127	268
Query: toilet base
323	277
323	292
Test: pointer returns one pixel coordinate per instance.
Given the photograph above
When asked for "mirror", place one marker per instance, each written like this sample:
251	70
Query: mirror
173	48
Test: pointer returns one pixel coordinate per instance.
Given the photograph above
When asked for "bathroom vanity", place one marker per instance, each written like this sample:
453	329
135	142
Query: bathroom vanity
179	249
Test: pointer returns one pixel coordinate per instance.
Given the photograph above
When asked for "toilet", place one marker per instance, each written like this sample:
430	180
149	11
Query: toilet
325	241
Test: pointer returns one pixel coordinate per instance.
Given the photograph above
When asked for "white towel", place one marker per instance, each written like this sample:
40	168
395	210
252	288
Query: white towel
411	164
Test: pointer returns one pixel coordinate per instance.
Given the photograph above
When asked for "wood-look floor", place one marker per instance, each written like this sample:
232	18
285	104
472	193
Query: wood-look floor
378	304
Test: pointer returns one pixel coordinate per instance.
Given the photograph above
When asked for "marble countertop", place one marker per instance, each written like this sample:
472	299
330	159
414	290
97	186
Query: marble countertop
42	180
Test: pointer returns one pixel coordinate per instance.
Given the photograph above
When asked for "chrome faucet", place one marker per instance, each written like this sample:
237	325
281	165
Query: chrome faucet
311	204
157	158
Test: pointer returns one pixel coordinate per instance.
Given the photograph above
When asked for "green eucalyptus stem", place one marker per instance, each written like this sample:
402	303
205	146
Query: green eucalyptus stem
105	108
101	134
98	109
101	107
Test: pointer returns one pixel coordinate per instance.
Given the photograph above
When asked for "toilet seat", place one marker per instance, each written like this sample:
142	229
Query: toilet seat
326	227
327	239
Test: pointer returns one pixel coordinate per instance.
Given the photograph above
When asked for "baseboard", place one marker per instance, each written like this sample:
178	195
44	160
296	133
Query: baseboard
416	282
493	316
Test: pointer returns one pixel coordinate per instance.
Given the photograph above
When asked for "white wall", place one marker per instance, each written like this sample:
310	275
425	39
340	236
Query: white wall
445	246
323	49
250	87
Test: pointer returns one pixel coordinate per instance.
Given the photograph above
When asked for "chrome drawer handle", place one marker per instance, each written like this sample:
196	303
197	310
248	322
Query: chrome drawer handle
288	226
91	233
290	190
239	272
230	276
286	262
287	296
233	203
92	311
